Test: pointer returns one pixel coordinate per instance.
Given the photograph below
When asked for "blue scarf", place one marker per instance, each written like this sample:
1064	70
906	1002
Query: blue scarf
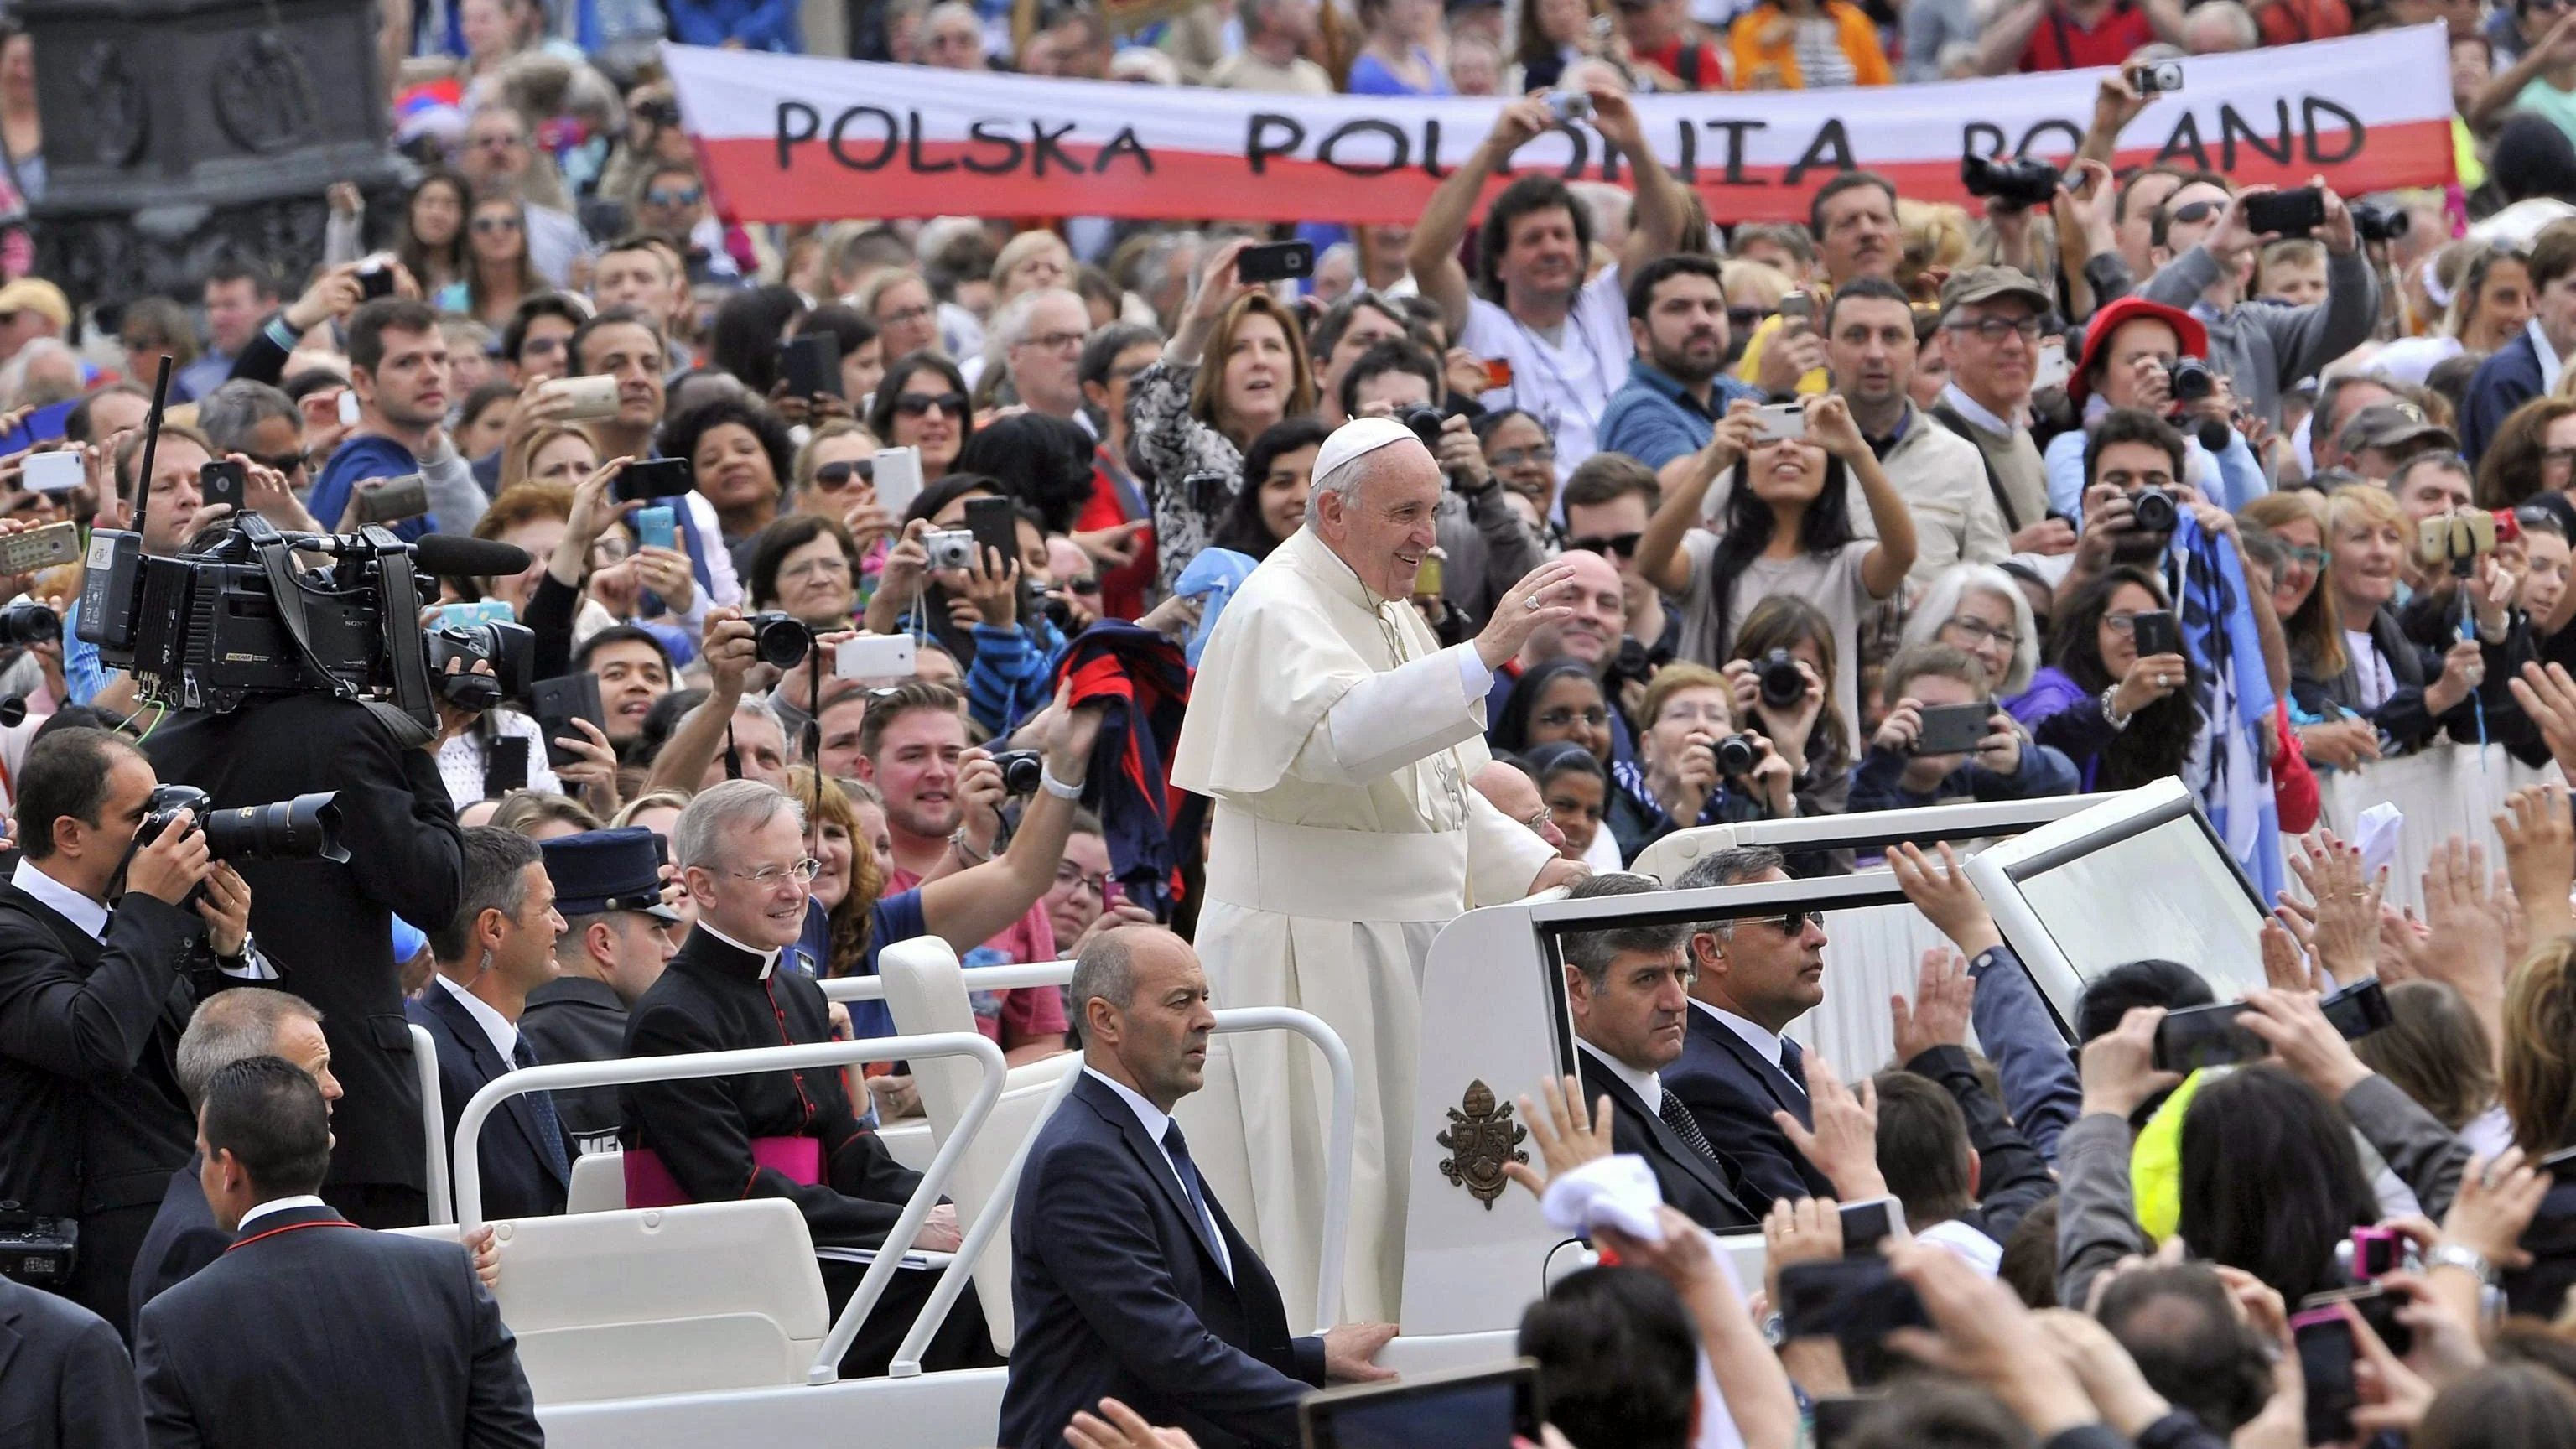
2234	693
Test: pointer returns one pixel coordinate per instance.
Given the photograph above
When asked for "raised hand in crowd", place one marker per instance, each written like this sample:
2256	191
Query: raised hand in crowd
2540	855
2118	1067
2303	1040
2547	695
1945	896
1756	1390
1938	1015
1539	598
1844	1142
2462	914
1565	1134
2339	923
1980	1332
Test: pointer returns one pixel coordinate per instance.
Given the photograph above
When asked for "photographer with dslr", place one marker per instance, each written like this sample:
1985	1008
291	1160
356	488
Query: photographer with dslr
330	920
106	920
2138	354
1696	765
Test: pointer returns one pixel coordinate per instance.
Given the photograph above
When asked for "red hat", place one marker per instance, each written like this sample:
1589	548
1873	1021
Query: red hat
2097	335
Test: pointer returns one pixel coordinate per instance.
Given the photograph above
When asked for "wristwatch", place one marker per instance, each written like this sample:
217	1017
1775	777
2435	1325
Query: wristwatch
2453	1255
1053	786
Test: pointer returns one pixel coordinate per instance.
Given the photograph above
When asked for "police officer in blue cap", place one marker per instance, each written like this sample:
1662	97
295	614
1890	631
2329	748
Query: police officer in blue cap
619	933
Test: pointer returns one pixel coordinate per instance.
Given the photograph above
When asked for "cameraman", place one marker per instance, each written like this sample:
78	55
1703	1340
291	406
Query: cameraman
93	999
169	515
331	924
2131	354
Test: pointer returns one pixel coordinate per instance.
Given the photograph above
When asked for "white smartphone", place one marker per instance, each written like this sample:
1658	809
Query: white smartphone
2052	369
1781	420
593	397
348	407
898	480
874	656
56	472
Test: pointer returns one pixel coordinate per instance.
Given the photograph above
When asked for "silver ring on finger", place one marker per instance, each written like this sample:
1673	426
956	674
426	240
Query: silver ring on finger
1532	602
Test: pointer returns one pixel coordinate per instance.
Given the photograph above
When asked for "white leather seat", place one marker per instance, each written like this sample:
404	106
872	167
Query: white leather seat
648	1301
598	1183
927	993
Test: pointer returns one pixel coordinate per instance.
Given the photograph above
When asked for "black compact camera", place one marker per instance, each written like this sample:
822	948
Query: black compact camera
1022	770
780	639
1736	755
2189	380
2022	182
2376	223
2154	510
37	1251
30	624
1425	423
304	828
1783	684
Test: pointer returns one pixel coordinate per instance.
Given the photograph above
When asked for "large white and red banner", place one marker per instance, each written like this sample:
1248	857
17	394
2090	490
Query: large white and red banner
797	139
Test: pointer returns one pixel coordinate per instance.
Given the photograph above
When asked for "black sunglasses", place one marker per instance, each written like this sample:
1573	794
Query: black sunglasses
1622	544
1790	924
838	475
918	404
1084	587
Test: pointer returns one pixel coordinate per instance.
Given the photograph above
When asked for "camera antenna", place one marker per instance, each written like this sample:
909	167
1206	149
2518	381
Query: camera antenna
151	443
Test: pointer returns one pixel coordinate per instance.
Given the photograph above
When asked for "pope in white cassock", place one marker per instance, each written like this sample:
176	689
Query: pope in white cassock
1337	738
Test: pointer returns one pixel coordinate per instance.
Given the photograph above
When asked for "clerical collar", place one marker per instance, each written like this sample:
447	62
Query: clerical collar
768	959
61	899
1649	1086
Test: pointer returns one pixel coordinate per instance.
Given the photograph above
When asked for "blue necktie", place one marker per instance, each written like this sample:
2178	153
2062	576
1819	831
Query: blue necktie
1178	1148
541	1106
1793	1065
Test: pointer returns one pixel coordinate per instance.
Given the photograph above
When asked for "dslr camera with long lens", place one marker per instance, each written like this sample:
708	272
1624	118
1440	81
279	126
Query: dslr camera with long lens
304	828
2021	182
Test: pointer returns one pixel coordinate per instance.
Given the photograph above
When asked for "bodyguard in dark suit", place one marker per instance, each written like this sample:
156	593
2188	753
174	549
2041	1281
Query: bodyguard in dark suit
65	1382
1626	987
499	947
1736	1068
618	935
332	924
312	1331
229	1026
1128	1280
92	1001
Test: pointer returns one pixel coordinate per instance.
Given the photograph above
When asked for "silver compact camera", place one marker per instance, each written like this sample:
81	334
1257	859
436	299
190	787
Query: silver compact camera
2162	78
950	548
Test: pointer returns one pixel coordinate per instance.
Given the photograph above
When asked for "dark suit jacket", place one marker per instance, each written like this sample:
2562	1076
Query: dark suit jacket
311	1331
713	998
519	1180
329	928
1710	1193
576	1019
64	1379
1732	1093
182	1240
1116	1293
2505	381
91	1116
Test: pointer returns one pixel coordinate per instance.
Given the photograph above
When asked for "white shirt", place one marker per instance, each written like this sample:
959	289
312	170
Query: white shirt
276	1205
1965	1243
768	959
503	1032
2370	668
1649	1086
1975	411
1156	1122
1566	384
91	917
1765	1044
2551	364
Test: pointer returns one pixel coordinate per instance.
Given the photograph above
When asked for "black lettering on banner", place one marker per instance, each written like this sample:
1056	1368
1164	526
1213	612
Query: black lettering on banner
1686	154
1981	138
1832	147
1735	134
1044	143
1402	156
1431	166
1123	144
2232	128
2185	141
2030	138
883	117
912	151
809	124
2356	135
989	133
1258	147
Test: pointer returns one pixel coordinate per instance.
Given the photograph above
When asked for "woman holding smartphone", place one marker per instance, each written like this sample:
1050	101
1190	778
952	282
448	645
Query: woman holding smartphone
2115	695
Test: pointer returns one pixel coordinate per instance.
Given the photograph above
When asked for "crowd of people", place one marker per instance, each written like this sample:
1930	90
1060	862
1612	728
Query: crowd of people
1908	503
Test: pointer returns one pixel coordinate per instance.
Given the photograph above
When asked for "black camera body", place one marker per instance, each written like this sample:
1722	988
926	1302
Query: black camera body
1426	424
215	630
509	648
1783	684
29	624
1736	755
2154	510
2375	223
304	828
1022	770
2021	182
781	639
2190	380
37	1251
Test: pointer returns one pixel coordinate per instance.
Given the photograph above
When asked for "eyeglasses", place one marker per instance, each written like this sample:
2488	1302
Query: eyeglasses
2314	558
283	462
1072	875
1057	341
919	404
1542	453
1127	374
496	223
1745	317
1084	587
1541	821
1557	719
656	196
771	877
1983	632
2557	457
832	477
908	314
2122	624
1996	329
1622	544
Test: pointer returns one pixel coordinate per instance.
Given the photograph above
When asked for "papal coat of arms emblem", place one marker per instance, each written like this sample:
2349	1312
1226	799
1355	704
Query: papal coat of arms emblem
1482	1137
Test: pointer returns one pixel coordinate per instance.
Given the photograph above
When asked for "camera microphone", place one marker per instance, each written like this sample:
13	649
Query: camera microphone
455	556
2213	435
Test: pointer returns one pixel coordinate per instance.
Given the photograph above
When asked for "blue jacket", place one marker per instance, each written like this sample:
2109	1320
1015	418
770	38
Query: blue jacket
2022	1038
518	1176
365	456
1731	1093
1878	781
1654	421
2502	383
758	24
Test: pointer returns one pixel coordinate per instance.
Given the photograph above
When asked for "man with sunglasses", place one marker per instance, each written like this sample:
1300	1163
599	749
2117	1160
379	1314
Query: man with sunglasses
498	160
672	202
1608	503
2205	262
